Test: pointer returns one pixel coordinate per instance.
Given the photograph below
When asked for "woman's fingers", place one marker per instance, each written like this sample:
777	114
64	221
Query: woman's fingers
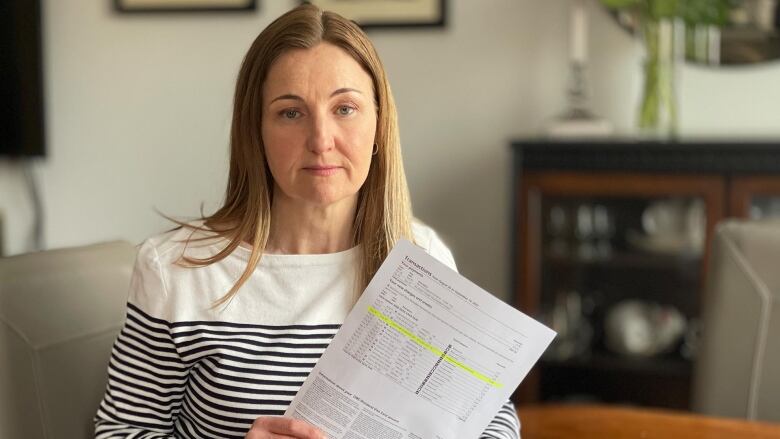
278	427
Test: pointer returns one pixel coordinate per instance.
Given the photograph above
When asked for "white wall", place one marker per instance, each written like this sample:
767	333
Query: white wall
138	111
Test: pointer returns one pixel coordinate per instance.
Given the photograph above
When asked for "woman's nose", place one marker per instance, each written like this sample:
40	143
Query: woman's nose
321	134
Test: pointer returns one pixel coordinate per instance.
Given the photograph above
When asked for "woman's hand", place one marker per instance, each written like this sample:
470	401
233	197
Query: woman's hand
278	427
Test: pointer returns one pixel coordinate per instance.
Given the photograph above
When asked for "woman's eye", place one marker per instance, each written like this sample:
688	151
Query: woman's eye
291	114
345	110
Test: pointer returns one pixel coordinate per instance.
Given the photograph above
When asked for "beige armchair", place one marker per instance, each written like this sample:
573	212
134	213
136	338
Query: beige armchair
60	312
738	369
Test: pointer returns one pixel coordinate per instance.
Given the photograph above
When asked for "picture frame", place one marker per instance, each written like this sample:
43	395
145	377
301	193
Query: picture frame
173	6
388	13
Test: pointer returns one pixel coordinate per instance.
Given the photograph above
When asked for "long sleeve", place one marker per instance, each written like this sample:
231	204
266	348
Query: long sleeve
505	425
146	376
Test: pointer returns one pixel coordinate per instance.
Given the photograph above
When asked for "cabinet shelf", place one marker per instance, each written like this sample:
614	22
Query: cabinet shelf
671	366
626	260
654	382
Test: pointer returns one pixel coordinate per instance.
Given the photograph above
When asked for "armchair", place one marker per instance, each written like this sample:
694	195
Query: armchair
738	369
60	312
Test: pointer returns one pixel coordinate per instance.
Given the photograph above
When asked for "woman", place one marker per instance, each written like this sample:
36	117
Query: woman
218	340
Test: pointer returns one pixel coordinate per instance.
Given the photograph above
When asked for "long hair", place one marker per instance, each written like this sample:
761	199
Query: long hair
383	213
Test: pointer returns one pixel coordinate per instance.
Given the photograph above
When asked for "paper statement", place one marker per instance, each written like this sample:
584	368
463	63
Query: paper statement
424	353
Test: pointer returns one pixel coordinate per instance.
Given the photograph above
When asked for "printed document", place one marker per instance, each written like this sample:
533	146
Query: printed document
424	354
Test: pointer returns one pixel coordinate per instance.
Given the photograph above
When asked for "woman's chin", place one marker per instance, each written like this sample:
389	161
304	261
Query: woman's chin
324	199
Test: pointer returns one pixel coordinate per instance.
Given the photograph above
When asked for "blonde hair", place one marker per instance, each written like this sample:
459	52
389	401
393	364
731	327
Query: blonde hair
383	214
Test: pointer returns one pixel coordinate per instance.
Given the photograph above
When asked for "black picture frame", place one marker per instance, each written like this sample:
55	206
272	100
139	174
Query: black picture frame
22	92
402	17
172	6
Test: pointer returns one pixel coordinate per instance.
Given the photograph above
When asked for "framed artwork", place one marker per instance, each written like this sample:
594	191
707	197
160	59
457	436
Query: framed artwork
388	13
184	5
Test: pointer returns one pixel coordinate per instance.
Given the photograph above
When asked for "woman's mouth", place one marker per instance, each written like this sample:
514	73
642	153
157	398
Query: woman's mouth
322	171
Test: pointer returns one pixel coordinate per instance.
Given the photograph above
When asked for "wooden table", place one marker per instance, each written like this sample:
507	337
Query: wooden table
615	422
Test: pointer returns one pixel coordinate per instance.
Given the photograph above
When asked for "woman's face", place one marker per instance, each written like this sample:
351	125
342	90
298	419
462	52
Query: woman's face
318	125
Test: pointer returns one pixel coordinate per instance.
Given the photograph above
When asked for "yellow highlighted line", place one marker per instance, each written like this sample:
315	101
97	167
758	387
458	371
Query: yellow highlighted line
433	349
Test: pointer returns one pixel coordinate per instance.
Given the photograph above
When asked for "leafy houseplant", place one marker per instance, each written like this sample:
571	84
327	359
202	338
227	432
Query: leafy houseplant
659	22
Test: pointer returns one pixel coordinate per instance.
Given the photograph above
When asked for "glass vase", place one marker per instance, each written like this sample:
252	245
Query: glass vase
658	108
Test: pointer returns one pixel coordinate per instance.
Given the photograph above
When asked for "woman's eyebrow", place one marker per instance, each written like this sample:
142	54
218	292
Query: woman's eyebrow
345	90
298	98
287	96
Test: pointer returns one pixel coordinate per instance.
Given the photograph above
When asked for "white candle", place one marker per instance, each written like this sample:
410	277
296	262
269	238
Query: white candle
578	46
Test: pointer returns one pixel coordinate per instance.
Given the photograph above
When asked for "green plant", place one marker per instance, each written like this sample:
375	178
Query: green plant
693	12
658	109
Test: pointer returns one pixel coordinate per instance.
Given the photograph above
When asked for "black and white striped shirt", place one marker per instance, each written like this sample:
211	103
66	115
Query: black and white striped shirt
181	369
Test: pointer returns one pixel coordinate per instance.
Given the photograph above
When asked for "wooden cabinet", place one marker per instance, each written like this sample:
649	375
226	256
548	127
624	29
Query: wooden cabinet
610	247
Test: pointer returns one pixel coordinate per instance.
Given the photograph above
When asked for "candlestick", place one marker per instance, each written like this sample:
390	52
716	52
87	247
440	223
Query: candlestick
578	46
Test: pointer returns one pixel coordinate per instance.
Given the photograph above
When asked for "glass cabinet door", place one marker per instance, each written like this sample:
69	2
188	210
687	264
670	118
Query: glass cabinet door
766	206
620	284
755	197
618	267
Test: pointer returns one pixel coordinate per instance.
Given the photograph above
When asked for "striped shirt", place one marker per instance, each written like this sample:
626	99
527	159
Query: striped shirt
180	369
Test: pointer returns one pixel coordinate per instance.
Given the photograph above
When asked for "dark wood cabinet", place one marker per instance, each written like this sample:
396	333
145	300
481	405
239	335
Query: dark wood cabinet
602	230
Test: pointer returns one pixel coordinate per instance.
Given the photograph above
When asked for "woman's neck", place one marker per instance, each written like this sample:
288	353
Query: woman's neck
302	228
